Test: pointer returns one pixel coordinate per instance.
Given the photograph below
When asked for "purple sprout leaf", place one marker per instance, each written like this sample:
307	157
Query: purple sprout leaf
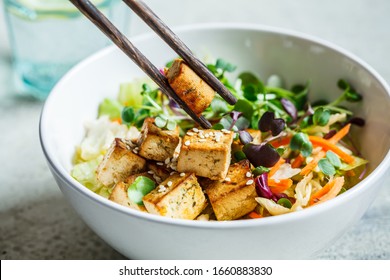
262	188
290	108
245	137
268	122
261	155
357	121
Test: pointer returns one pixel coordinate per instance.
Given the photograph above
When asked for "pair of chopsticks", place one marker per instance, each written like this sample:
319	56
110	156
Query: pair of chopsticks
150	18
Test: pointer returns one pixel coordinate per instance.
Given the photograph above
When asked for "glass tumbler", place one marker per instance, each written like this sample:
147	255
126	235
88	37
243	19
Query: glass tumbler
48	37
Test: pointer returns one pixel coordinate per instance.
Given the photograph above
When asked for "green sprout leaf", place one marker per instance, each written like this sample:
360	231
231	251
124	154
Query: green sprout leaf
224	65
128	115
160	122
285	202
333	159
300	142
239	155
326	167
250	92
219	106
321	117
141	187
245	107
260	170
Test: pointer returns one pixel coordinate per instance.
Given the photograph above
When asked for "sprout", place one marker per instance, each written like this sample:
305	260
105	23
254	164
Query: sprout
268	122
290	108
261	155
245	137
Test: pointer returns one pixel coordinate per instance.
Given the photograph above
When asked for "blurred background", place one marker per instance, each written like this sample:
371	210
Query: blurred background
36	222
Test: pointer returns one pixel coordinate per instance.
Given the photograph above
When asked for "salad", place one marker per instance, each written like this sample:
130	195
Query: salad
274	152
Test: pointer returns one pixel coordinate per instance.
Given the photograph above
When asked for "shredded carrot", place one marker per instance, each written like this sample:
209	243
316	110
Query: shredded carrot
329	191
279	186
333	140
281	142
276	167
117	120
298	161
327	145
254	215
340	134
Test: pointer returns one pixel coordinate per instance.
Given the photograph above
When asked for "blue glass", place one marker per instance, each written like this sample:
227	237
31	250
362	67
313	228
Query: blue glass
48	37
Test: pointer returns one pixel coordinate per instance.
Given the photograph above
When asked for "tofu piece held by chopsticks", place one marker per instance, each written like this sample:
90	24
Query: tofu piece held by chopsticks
195	92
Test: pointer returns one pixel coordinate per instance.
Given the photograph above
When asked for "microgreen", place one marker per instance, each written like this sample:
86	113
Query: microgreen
128	115
261	154
262	188
290	108
250	92
224	65
268	122
326	167
260	170
219	106
274	81
245	107
321	116
300	142
285	202
245	137
164	122
349	94
141	187
333	159
239	155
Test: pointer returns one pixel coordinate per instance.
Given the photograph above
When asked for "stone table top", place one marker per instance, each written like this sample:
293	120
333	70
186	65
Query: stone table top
35	220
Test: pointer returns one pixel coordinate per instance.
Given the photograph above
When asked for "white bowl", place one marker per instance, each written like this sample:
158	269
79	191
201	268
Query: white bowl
264	50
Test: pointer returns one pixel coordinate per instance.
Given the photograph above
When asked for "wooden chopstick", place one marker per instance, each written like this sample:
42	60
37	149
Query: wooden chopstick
97	18
151	19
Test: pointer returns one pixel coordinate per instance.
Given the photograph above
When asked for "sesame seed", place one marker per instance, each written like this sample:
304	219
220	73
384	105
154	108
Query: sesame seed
227	179
211	133
182	174
225	130
151	172
173	172
248	174
202	140
201	136
189	133
249	182
169	183
136	148
187	143
160	163
200	131
195	129
167	160
135	151
206	135
217	139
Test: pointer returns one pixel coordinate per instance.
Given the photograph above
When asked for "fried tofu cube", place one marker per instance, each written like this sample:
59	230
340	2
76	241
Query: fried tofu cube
155	143
159	172
207	153
235	196
119	192
195	92
119	163
177	197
